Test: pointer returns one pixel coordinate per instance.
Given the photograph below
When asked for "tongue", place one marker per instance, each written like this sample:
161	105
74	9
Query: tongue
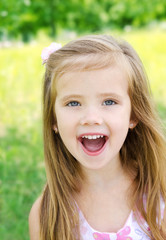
93	145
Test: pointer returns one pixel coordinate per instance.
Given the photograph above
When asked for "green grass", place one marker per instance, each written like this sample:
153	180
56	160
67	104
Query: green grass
21	156
152	50
22	173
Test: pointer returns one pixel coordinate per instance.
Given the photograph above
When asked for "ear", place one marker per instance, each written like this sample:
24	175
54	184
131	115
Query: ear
55	128
133	124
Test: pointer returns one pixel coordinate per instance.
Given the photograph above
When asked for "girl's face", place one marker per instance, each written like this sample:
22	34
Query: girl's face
93	115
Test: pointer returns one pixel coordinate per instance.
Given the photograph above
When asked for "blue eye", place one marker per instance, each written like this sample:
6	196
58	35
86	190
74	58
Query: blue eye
73	104
109	102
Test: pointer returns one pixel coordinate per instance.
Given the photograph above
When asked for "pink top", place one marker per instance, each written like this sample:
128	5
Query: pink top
130	231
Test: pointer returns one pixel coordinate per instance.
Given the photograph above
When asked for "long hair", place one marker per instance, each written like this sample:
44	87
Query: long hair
143	153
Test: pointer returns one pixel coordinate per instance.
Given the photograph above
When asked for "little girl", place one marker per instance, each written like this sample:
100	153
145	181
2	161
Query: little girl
105	154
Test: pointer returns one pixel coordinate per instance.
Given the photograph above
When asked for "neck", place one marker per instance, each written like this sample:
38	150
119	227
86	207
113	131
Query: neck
104	178
109	181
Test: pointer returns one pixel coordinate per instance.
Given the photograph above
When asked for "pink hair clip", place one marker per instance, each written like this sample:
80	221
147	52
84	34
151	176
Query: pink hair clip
48	50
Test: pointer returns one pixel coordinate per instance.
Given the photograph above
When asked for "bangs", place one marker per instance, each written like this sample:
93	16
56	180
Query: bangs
90	62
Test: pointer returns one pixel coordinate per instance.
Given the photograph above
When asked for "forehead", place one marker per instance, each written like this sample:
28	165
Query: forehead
112	79
70	71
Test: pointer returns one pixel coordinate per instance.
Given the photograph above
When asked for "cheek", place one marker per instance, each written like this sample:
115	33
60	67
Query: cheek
120	119
66	117
118	133
61	122
66	125
119	126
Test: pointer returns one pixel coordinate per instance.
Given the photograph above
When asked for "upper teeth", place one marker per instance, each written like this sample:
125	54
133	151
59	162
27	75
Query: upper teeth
93	136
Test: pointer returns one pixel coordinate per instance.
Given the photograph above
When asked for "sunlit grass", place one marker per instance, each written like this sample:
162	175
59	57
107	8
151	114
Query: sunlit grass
152	50
21	153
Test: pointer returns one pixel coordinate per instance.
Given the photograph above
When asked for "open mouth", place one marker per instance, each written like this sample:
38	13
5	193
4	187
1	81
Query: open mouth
93	144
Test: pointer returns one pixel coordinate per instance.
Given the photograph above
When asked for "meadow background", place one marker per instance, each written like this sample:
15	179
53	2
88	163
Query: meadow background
22	175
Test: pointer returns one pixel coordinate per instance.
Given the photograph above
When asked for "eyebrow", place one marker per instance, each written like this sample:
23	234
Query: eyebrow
103	95
70	96
110	94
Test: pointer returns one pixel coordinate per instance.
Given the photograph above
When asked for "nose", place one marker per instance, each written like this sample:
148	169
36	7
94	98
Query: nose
91	116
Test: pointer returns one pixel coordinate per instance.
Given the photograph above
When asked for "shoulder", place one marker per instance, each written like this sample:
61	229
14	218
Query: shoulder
34	221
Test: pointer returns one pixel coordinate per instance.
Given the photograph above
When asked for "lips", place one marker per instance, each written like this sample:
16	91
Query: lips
93	144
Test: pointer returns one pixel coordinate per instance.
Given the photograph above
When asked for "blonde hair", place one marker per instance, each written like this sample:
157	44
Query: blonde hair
143	153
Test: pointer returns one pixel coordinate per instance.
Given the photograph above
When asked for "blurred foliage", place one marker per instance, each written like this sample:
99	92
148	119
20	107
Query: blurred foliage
25	17
22	174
